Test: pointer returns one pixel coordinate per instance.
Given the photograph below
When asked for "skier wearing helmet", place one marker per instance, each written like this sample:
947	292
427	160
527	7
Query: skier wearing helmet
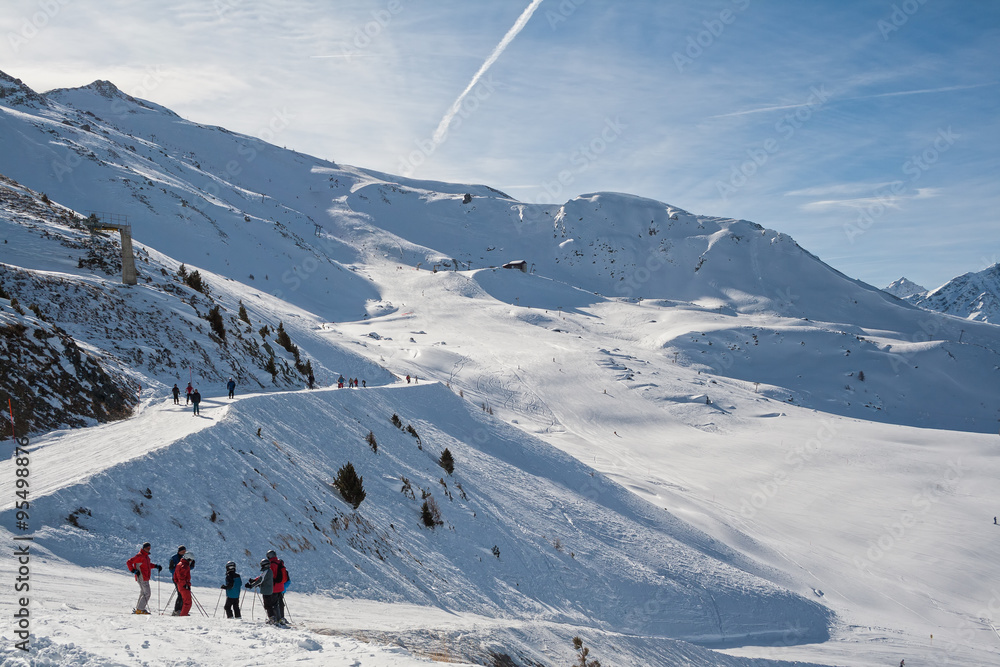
182	578
265	582
280	577
232	586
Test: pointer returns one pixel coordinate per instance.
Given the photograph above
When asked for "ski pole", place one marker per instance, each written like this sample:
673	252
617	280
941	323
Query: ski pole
198	604
158	589
217	605
168	601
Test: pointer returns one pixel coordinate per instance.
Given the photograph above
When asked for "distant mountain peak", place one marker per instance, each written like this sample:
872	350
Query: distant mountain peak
904	288
15	93
973	296
106	89
83	98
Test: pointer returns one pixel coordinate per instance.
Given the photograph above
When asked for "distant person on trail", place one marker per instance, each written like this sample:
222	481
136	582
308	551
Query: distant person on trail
407	379
340	382
232	587
231	386
142	567
188	393
363	385
182	579
174	560
265	582
177	394
280	576
312	380
195	400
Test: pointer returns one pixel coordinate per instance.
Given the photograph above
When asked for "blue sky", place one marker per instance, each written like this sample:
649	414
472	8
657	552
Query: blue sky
866	130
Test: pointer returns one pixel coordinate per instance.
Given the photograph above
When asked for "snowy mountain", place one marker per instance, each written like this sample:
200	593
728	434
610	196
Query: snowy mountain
904	289
972	296
683	438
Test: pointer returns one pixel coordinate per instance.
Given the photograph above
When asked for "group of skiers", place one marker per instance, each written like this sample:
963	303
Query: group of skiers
271	583
193	396
352	383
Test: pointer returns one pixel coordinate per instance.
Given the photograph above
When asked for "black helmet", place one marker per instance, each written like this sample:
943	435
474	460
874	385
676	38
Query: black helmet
230	565
181	548
264	563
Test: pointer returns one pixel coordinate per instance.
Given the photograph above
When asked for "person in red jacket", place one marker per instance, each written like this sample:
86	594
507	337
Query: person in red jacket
280	576
142	567
182	577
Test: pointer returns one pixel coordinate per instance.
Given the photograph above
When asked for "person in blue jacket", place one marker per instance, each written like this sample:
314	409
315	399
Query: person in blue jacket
231	386
234	582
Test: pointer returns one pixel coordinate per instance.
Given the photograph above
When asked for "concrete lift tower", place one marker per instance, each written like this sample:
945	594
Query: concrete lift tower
114	222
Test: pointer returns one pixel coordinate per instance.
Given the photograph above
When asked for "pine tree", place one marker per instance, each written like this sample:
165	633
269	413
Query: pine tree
430	515
243	313
195	282
350	485
214	318
447	461
181	271
271	367
371	441
282	338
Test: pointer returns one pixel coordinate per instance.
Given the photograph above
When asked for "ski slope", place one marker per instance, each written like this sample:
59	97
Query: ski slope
689	439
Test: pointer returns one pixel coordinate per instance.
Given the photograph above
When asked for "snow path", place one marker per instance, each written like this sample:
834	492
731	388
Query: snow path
56	462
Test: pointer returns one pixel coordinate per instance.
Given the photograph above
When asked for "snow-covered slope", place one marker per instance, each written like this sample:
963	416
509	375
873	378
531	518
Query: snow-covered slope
528	532
804	455
304	230
59	278
972	296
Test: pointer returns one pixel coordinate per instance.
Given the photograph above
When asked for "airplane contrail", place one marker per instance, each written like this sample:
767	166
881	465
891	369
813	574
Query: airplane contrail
522	20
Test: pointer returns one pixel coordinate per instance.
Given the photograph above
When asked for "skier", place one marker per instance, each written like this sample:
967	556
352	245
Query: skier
265	582
188	393
312	380
182	579
195	400
280	576
363	385
142	567
174	560
407	379
232	586
177	394
231	386
340	382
